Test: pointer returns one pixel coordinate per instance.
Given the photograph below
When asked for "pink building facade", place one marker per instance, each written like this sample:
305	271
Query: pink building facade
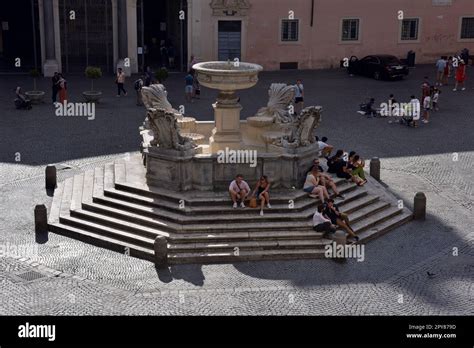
313	34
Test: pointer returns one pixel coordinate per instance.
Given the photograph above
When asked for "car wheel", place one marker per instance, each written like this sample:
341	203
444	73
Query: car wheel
377	75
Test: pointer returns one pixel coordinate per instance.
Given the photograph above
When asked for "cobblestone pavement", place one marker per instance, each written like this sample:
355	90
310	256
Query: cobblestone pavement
420	268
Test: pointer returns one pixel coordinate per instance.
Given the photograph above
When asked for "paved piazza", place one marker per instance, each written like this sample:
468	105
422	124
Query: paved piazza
421	268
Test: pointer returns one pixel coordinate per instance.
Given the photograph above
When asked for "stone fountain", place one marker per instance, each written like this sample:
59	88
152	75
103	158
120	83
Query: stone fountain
227	77
284	143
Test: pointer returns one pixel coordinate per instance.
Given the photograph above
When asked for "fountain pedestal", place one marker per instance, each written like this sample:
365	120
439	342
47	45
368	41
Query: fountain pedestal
227	133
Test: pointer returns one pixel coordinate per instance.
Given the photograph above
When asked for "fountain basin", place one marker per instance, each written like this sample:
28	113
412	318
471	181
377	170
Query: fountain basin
225	76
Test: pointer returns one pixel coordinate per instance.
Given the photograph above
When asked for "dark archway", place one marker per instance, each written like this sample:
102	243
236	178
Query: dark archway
162	33
19	36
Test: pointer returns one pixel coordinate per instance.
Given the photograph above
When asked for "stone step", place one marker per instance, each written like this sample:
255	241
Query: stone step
368	211
223	205
55	209
385	226
140	237
103	241
88	187
66	197
247	245
109	176
77	189
244	236
375	219
120	173
148	229
351	205
229	257
203	198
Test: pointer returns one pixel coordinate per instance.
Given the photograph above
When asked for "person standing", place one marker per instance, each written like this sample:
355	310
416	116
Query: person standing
55	86
414	110
299	97
138	88
188	89
62	89
120	82
171	55
460	76
425	88
149	78
440	66
447	70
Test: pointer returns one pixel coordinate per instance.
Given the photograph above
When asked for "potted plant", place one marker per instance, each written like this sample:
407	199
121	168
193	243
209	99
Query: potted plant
35	96
161	75
92	73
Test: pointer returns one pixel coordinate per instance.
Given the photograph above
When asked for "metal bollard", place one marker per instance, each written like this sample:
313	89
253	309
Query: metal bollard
375	168
41	224
419	206
161	251
51	178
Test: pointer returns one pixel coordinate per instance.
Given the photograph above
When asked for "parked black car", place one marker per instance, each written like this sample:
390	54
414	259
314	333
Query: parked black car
381	66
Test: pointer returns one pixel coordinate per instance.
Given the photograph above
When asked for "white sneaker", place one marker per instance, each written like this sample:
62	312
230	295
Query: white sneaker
261	212
454	90
463	89
242	205
235	205
269	206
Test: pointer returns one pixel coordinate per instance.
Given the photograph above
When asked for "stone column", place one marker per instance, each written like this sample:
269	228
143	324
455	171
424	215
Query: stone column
51	64
122	36
227	132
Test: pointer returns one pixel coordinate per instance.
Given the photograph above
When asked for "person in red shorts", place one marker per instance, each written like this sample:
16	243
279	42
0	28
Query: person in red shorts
460	76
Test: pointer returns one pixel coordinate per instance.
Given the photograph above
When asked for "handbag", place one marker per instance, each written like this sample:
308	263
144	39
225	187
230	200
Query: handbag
253	202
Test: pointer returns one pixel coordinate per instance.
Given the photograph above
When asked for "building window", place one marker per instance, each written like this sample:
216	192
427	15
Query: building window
410	29
350	30
290	30
467	28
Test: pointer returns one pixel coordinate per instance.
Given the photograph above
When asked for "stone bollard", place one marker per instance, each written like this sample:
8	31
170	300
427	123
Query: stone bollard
419	206
161	251
340	238
51	178
375	168
41	224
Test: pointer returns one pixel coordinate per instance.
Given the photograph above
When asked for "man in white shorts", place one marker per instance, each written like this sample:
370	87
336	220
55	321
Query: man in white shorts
239	190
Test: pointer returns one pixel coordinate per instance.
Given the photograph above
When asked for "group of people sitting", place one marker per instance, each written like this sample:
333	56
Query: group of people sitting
239	191
318	183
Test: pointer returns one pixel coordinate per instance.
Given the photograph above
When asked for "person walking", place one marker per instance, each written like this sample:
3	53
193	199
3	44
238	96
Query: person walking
120	82
440	66
55	86
188	89
62	89
460	76
299	96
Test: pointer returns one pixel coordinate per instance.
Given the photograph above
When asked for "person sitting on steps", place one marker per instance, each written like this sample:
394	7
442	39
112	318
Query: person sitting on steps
338	166
356	166
314	187
331	211
325	179
321	223
238	190
261	192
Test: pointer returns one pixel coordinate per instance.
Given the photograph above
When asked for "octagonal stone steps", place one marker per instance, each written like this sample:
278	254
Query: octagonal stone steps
102	208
